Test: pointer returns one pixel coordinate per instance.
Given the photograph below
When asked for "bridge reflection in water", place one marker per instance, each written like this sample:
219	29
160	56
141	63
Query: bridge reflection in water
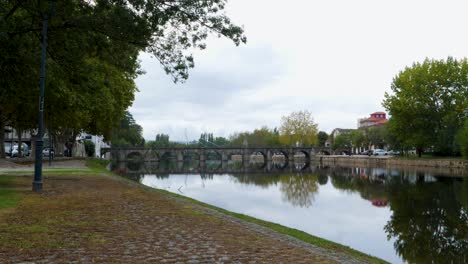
169	166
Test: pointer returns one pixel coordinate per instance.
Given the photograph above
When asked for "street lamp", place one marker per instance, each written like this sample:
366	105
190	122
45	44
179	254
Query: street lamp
37	182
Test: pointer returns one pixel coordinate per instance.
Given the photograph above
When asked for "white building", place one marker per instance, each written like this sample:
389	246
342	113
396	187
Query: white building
98	141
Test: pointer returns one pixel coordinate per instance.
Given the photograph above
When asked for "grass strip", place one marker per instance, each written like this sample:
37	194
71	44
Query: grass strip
9	197
99	165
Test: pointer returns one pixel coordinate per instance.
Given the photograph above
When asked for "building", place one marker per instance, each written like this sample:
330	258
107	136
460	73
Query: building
97	140
375	119
340	131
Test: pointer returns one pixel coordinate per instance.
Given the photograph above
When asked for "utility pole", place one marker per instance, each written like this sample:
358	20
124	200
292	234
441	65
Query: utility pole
37	183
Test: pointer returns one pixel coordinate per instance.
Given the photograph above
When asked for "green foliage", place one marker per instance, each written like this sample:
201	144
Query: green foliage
322	138
221	141
259	137
161	140
342	141
376	136
462	138
92	57
206	139
427	104
357	138
127	133
90	148
298	127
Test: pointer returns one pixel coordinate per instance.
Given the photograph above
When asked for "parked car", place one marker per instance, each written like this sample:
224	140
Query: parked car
380	152
48	151
394	152
367	152
24	150
7	149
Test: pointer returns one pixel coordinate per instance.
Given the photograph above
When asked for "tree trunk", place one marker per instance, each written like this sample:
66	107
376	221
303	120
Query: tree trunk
20	142
419	151
2	137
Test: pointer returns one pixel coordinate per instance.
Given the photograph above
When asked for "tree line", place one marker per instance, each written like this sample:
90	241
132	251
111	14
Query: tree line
297	128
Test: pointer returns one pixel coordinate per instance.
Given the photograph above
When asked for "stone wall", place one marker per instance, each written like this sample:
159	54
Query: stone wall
458	167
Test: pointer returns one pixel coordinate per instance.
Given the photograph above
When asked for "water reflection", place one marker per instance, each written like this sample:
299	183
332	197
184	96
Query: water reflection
430	220
427	220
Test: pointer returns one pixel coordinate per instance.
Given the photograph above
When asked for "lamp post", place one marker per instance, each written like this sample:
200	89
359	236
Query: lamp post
37	183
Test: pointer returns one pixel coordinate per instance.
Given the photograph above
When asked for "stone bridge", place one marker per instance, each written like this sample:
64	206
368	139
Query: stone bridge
224	153
143	168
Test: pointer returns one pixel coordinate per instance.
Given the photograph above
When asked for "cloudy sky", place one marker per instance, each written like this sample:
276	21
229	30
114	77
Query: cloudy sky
335	58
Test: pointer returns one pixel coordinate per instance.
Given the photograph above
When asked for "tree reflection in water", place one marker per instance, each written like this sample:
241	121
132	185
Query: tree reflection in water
299	189
430	221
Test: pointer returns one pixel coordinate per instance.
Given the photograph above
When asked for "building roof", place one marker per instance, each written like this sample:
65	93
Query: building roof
379	113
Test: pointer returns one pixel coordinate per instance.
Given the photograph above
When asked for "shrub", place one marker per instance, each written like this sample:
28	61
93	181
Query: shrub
90	148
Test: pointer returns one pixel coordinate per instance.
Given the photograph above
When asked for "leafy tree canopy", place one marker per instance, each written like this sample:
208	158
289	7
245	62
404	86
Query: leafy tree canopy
427	104
92	55
128	133
322	138
298	127
259	137
463	139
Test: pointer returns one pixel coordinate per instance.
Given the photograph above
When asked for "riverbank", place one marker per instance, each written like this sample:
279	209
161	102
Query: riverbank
439	166
92	216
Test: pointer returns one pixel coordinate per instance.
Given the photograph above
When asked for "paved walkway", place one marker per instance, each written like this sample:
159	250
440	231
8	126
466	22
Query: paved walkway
103	219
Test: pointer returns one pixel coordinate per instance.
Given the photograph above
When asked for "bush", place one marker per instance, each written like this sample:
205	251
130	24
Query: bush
90	148
462	138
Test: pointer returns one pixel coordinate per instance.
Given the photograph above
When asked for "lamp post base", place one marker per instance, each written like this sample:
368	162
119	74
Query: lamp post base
37	186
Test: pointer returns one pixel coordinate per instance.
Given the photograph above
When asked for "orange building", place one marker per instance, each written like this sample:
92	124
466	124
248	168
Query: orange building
375	119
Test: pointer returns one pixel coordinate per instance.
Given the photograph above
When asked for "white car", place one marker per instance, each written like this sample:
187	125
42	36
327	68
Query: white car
24	151
380	152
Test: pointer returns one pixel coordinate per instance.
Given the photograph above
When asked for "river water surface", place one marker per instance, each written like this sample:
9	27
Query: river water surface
399	215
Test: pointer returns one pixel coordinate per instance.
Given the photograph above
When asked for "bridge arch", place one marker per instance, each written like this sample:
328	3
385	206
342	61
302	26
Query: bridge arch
304	152
134	155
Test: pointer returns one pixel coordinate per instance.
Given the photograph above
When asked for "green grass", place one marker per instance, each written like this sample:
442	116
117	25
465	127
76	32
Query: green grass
47	172
9	197
97	165
303	236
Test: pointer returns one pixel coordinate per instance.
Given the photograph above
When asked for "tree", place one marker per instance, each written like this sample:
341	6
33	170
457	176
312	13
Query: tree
427	104
161	140
357	138
298	127
127	133
342	141
92	56
462	138
259	137
322	138
221	141
376	136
